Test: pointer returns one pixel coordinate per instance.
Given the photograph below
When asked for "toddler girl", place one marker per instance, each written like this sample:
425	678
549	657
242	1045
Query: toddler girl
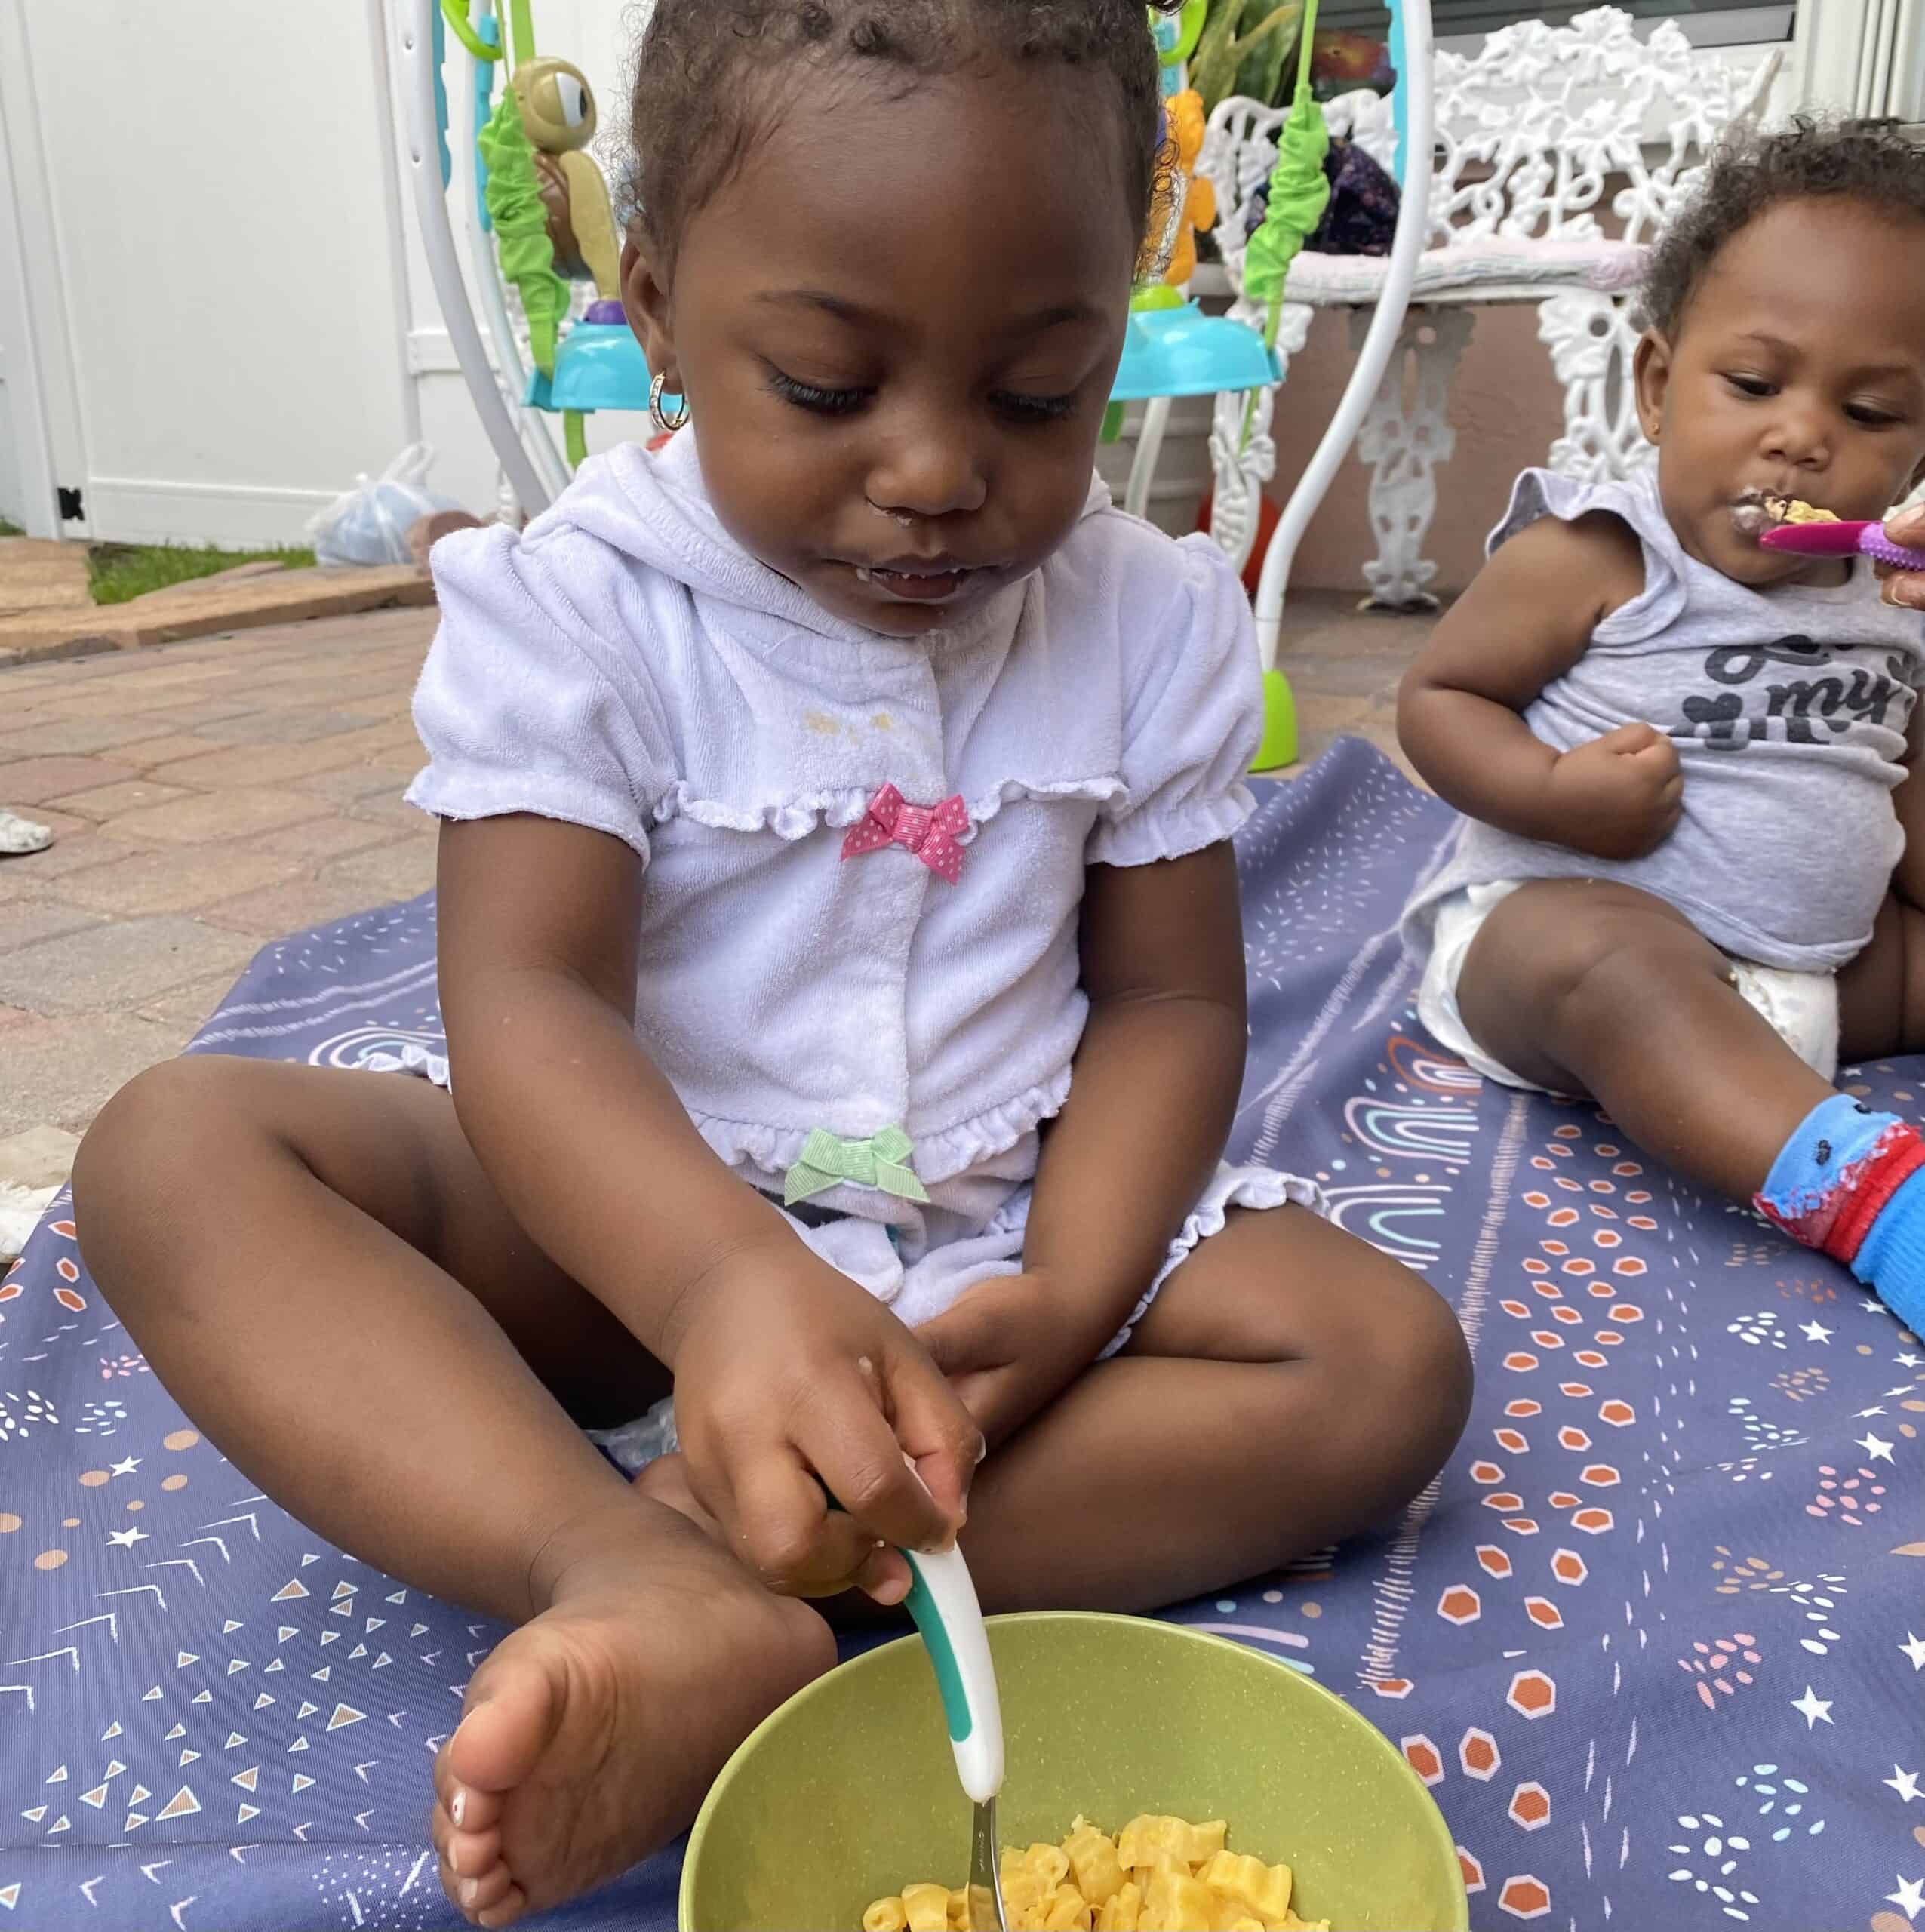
828	803
1694	869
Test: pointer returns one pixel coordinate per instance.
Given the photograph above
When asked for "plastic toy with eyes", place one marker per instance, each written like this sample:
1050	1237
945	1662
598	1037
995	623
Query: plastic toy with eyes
557	110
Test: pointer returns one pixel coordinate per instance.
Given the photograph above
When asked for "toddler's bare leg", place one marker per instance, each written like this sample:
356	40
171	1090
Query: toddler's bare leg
1290	1386
315	1264
1601	989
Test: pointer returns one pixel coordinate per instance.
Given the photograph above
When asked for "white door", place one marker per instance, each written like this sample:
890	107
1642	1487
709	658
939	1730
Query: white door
41	451
1864	56
209	223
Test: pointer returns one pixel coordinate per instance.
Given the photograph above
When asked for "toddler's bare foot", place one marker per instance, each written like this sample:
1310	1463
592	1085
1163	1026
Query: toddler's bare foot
666	1480
590	1735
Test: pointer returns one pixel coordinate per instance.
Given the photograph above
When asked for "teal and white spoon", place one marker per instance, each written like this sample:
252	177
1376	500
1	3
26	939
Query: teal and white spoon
949	1613
943	1602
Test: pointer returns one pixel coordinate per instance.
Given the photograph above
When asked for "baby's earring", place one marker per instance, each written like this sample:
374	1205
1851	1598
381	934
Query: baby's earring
665	424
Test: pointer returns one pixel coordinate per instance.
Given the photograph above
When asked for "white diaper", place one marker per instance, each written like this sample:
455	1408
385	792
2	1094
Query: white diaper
919	1287
1802	1008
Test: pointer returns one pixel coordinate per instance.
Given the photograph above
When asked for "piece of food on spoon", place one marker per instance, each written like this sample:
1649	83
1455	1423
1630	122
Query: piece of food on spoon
1791	509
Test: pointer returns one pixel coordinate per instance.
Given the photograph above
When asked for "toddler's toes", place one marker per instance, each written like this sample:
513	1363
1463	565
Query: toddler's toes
512	1716
473	1873
468	1807
511	1908
489	1893
471	1854
592	1731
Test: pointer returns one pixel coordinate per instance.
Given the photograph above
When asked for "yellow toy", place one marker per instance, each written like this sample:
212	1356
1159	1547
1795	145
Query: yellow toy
557	110
1199	212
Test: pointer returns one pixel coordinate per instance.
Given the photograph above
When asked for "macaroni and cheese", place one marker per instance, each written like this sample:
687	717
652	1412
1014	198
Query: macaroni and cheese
1156	1875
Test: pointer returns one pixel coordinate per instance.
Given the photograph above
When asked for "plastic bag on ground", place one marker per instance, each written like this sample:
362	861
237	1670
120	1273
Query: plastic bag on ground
371	522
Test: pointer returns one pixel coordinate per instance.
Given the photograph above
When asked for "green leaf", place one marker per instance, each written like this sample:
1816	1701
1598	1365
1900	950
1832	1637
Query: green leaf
1213	66
1271	45
1216	69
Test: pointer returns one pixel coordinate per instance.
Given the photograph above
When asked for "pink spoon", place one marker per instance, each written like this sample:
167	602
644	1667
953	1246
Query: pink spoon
1843	539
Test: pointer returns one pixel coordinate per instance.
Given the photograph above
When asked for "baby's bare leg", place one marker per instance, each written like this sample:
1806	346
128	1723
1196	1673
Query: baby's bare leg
316	1266
1601	989
1290	1386
1881	994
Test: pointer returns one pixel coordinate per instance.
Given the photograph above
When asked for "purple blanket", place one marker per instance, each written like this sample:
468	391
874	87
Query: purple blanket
1656	1640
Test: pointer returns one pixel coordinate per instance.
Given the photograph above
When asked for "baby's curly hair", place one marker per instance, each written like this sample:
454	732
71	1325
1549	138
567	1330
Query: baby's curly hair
694	112
1867	161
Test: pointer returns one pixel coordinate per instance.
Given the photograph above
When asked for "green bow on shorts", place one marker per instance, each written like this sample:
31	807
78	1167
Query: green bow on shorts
882	1161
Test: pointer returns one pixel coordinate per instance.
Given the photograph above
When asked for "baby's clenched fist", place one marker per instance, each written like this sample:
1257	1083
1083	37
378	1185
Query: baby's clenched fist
1618	797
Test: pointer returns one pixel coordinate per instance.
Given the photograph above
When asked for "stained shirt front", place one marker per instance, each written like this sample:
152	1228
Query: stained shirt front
864	855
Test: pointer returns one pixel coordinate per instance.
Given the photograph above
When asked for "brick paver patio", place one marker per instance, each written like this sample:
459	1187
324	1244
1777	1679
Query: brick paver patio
207	796
212	795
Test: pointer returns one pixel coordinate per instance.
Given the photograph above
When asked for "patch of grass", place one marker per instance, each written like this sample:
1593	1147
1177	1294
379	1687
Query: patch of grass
10	529
120	571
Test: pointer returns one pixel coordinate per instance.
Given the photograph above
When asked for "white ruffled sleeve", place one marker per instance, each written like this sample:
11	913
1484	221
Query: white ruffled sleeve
1193	718
524	705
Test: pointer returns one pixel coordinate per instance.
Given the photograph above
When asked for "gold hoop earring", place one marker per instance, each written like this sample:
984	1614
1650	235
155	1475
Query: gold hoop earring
665	424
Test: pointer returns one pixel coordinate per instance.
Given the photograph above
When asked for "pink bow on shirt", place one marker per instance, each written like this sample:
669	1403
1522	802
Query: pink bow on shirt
930	832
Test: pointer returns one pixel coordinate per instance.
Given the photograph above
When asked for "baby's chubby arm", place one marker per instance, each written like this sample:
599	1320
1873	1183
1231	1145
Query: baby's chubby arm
1526	618
785	1370
1908	802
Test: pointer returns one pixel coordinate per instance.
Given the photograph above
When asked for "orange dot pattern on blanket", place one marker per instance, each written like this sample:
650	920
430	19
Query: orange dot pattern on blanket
1575	1303
1532	1694
1602	1294
1421	1754
1525	1897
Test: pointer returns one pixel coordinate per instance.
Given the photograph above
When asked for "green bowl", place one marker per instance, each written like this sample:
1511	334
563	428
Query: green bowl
849	1792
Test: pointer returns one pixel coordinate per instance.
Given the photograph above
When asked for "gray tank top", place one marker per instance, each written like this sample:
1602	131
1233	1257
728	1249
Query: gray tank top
1788	709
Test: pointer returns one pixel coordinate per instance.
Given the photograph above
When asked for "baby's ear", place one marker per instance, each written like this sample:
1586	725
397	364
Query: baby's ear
645	301
1651	374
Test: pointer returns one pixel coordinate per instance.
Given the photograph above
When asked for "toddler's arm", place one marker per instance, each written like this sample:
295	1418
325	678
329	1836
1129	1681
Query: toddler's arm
1157	1075
785	1369
583	1135
1527	619
1156	1079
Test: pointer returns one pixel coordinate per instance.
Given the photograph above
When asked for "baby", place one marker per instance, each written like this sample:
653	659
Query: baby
1693	872
842	980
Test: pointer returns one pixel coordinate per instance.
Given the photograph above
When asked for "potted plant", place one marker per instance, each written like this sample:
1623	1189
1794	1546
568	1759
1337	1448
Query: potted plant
1245	48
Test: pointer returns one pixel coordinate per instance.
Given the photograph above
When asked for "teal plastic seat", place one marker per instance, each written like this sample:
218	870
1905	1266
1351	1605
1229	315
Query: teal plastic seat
1183	352
599	365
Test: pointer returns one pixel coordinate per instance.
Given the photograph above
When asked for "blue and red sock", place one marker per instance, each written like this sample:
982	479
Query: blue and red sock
1851	1183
